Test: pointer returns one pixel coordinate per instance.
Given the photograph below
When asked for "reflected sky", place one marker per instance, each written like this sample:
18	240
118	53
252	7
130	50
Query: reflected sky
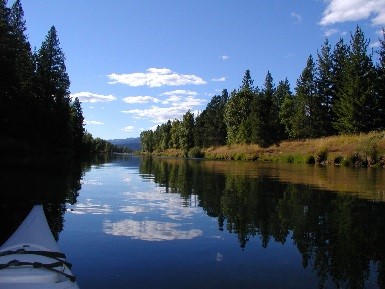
139	210
221	231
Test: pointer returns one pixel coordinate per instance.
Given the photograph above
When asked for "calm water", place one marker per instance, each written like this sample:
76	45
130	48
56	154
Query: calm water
136	222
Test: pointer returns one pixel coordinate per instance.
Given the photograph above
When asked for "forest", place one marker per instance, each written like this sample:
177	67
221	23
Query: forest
37	114
341	91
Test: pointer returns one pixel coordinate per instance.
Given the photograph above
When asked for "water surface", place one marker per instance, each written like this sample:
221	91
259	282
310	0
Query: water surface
137	222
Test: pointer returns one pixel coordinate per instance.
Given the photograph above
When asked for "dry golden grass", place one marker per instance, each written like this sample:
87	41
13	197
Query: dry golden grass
300	150
366	146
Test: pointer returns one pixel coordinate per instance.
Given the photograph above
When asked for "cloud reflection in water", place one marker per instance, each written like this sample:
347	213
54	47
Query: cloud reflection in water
149	230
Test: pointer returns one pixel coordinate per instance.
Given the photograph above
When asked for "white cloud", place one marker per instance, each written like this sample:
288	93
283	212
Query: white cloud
86	96
353	10
225	57
221	79
155	77
159	114
128	128
297	18
180	92
178	102
140	99
93	122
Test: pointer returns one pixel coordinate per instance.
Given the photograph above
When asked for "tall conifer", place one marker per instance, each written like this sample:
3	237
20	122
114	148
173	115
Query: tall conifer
356	108
324	83
53	90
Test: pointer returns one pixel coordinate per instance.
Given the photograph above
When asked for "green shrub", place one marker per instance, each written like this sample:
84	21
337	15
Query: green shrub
195	152
368	150
338	160
352	160
310	160
322	156
289	159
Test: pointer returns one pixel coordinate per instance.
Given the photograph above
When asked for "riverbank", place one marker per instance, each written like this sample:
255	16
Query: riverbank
349	150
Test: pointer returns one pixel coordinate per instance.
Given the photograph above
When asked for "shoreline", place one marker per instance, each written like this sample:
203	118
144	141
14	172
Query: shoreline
358	150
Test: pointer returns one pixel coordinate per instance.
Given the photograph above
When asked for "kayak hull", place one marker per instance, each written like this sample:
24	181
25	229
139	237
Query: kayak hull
31	258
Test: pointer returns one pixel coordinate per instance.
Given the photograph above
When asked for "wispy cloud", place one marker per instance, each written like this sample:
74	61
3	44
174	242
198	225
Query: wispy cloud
180	92
331	32
128	128
155	77
375	44
339	11
160	114
140	99
220	79
178	105
86	96
225	57
297	18
93	122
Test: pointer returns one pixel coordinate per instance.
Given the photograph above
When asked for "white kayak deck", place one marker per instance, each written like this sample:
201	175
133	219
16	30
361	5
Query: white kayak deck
31	258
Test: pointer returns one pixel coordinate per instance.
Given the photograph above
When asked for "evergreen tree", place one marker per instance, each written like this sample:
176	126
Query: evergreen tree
186	139
238	111
324	82
53	91
265	115
175	134
356	108
6	67
200	133
210	128
380	86
147	141
308	114
282	93
16	73
339	61
77	126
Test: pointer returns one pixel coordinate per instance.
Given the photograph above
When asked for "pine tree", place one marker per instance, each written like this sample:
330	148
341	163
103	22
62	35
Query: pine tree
175	134
186	139
7	70
53	90
77	126
238	111
286	108
356	108
324	82
380	86
210	128
339	61
264	115
308	114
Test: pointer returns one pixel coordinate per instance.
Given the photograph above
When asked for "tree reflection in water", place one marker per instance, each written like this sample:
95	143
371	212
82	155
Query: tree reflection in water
341	236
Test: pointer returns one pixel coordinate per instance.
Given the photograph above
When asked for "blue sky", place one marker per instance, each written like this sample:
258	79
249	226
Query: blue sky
136	64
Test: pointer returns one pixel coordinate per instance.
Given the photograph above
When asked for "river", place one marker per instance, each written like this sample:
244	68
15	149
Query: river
137	222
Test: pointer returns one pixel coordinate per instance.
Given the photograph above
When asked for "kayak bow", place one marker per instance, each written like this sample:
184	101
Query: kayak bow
31	258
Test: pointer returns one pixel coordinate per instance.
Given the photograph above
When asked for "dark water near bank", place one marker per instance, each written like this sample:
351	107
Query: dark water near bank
131	222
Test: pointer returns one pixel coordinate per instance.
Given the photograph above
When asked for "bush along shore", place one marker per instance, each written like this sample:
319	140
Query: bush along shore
356	150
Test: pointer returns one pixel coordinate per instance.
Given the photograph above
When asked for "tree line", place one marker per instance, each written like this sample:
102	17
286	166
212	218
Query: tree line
342	91
37	113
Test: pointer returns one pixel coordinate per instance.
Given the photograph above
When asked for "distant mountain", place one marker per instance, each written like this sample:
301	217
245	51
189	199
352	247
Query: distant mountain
132	142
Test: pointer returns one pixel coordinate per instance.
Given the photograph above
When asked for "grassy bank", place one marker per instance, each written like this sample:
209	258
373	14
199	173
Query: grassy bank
348	150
